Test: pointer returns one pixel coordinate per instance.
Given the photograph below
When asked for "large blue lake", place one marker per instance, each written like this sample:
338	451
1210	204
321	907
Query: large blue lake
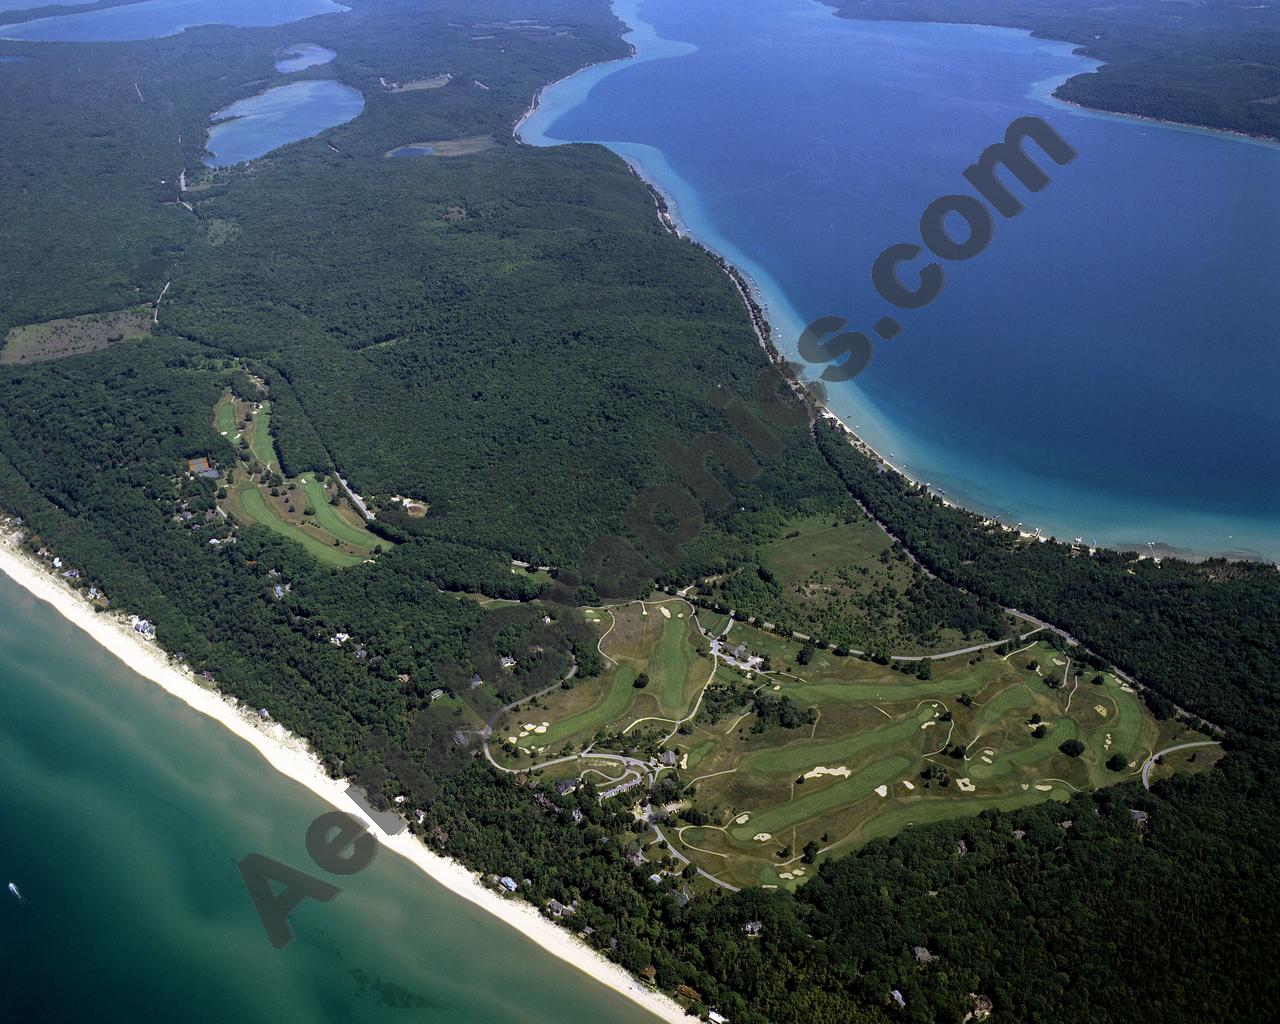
1107	368
154	18
251	127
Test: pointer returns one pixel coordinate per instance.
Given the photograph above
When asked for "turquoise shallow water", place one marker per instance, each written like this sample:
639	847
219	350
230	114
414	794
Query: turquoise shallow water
151	19
1105	369
288	113
123	817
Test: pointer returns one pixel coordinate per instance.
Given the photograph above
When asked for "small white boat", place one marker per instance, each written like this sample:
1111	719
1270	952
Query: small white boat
13	888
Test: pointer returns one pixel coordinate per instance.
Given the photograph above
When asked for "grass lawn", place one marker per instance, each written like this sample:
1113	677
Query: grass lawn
328	518
252	503
261	446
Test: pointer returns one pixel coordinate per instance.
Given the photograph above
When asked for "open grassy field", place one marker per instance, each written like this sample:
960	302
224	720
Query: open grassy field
72	336
841	581
868	749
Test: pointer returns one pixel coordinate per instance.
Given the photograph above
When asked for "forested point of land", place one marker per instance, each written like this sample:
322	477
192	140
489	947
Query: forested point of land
512	337
1212	63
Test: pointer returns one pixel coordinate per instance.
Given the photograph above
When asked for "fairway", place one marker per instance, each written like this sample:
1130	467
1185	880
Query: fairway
224	417
261	446
329	520
254	505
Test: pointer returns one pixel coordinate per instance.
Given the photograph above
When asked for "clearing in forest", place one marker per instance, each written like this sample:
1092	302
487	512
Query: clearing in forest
73	336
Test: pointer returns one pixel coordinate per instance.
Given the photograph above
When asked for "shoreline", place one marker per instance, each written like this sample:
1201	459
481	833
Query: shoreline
290	756
757	308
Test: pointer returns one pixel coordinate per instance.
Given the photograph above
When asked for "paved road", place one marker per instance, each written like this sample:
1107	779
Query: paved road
1149	762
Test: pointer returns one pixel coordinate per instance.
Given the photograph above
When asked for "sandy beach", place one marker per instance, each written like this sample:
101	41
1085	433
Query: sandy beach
289	755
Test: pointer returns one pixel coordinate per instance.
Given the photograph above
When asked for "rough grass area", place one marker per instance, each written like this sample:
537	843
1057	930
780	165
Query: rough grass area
73	336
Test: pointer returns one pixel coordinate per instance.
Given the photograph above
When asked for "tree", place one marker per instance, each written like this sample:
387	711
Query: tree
641	681
1072	748
806	654
810	853
1117	762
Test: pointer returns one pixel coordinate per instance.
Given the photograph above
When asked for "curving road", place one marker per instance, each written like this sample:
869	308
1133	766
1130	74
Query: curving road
1150	762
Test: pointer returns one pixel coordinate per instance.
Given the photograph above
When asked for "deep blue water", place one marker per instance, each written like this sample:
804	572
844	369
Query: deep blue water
251	127
303	55
1107	368
154	18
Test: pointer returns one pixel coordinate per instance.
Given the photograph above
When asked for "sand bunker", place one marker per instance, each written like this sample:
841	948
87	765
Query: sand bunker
742	819
1106	742
909	785
665	614
1043	788
965	786
927	724
817	773
1100	709
986	759
763	837
882	790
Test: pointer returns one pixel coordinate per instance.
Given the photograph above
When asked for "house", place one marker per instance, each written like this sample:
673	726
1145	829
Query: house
143	628
576	815
338	639
566	786
923	955
898	999
435	694
689	993
753	927
669	757
264	714
279	591
717	1018
476	680
57	563
656	879
506	661
419	815
649	974
557	909
508	883
71	574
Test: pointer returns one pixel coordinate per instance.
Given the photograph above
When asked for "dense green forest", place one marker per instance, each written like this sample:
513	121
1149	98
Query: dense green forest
1210	62
512	337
